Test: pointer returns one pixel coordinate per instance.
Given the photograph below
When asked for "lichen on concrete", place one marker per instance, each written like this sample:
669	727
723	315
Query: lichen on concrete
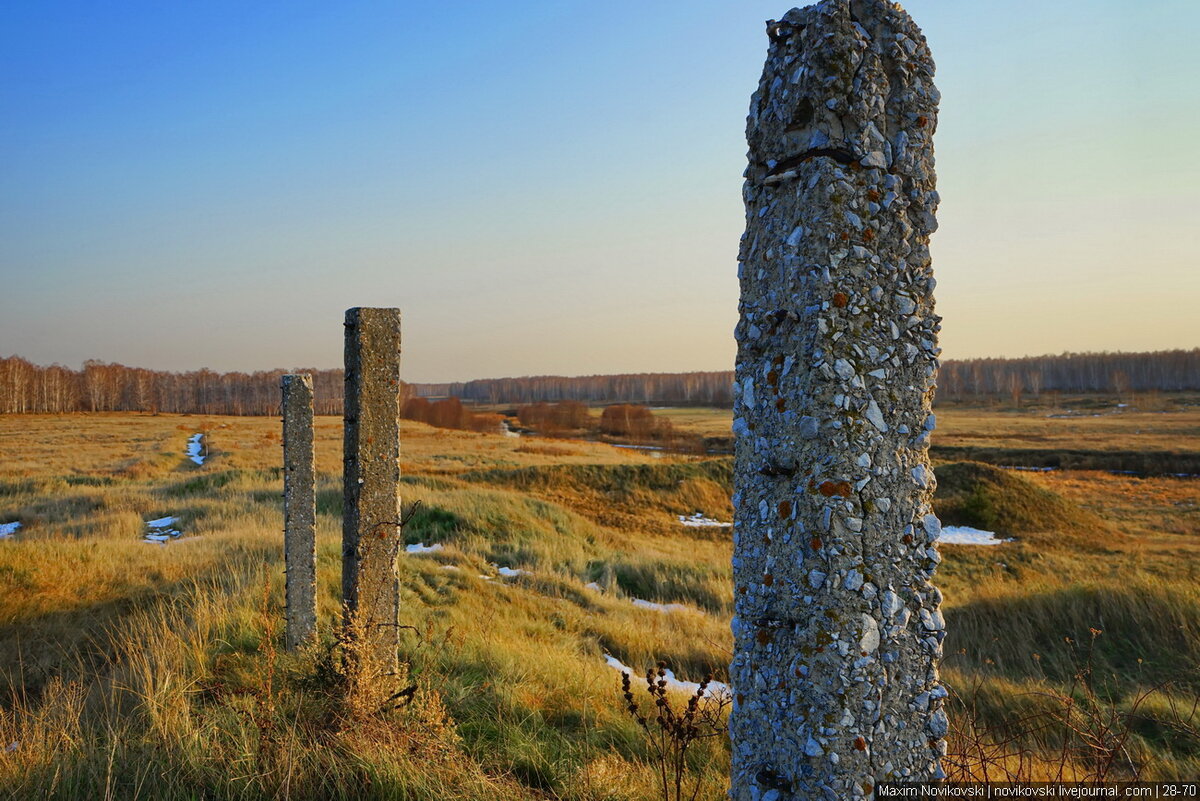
837	627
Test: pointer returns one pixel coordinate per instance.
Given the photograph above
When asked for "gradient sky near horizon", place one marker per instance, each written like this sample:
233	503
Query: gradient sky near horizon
551	188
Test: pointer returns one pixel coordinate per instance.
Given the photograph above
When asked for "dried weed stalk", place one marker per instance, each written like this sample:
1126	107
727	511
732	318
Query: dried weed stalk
671	732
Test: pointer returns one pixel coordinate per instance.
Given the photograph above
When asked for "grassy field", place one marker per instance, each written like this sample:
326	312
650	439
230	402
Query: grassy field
1160	436
133	670
1087	423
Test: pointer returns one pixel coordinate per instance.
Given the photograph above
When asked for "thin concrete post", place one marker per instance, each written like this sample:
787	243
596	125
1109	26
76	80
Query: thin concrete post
371	475
837	628
299	510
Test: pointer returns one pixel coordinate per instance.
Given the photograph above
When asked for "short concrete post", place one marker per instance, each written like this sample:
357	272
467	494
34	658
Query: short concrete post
371	474
299	510
837	627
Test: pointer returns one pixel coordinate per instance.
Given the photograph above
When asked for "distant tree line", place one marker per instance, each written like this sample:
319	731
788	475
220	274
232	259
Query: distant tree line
1082	373
104	387
968	379
676	389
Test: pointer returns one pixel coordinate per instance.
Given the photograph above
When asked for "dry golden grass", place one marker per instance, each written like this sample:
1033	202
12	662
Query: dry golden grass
130	670
1031	427
152	446
1112	429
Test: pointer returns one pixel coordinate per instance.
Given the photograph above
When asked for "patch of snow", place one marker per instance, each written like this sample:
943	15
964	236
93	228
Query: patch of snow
640	447
593	586
510	572
420	547
638	602
965	535
161	531
451	567
508	432
195	448
714	689
698	520
8	529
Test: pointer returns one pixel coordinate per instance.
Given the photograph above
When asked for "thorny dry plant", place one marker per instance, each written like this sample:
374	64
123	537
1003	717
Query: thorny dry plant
372	680
671	732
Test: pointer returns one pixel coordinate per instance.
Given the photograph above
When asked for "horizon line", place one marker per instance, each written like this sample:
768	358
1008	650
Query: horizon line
284	370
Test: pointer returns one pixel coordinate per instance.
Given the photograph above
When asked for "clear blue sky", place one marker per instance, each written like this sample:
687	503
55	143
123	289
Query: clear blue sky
551	187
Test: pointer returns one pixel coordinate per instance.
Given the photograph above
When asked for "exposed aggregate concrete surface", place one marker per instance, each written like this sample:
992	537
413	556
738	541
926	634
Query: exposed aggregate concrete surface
837	627
299	509
371	478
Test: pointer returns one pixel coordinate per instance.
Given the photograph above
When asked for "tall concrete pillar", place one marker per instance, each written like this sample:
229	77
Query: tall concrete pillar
299	509
837	627
371	474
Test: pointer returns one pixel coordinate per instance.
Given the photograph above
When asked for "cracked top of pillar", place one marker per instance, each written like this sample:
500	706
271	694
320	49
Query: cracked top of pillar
850	80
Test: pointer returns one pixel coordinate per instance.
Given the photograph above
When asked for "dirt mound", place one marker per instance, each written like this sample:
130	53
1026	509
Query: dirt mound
981	496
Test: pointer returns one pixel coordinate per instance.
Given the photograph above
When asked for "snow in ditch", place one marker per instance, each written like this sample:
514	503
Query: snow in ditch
714	689
638	602
195	448
162	530
505	572
965	535
643	604
698	520
8	529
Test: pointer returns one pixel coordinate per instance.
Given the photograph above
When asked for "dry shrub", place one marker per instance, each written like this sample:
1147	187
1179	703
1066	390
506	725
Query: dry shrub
670	732
368	683
422	729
